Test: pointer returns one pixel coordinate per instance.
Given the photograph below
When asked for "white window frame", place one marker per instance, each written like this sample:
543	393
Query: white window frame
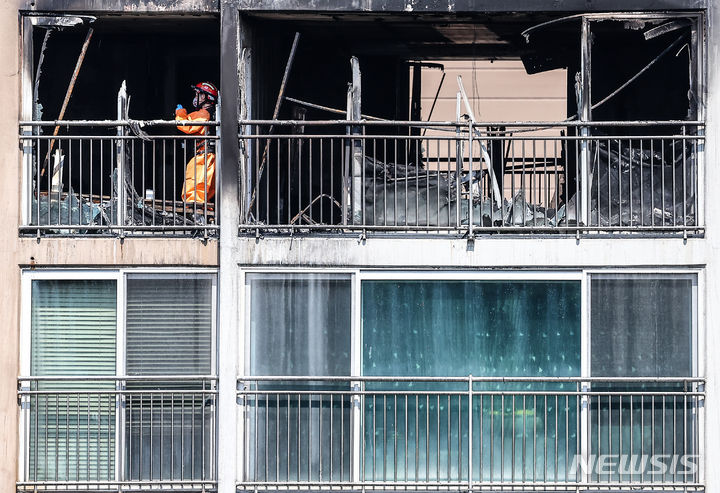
583	276
120	277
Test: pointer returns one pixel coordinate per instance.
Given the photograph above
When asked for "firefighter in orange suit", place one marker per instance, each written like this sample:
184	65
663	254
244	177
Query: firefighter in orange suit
200	170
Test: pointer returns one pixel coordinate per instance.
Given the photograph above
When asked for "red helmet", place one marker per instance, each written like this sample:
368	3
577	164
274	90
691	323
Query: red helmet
208	88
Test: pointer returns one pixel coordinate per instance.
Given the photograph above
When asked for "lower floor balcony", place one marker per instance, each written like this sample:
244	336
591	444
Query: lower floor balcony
465	434
110	434
365	433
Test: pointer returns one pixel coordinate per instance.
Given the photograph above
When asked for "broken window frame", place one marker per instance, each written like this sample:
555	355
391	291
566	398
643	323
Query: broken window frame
697	88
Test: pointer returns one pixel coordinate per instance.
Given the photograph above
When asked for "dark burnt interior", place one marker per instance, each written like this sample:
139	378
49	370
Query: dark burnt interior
385	43
160	57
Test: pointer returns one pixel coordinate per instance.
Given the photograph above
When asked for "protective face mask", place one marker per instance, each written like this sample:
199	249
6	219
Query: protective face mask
196	101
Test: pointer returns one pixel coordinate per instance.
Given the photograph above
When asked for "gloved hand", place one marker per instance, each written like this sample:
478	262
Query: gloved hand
179	107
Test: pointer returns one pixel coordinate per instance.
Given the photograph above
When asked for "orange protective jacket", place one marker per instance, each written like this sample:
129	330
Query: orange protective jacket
199	175
200	115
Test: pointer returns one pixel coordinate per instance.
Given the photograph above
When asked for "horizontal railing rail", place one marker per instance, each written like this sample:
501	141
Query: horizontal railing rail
471	433
122	178
118	432
463	178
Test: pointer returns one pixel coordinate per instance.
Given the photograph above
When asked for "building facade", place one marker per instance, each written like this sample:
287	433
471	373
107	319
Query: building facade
445	246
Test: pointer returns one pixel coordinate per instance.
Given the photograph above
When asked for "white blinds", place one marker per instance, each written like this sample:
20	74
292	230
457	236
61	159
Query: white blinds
169	325
73	327
73	333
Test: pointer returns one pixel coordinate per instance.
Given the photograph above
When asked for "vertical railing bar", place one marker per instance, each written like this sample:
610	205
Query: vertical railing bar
512	442
610	444
545	438
630	181
523	185
502	438
492	439
87	435
320	433
459	419
299	432
471	219
652	436
395	434
674	425
310	187
57	437
406	181
674	185
533	177
363	429
417	437
300	207
534	452
374	447
192	409
342	428
332	408
620	429
632	428
384	440
437	435
438	174
480	439
662	186
266	435
557	454
619	189
406	438
642	434
289	188
642	175
684	176
427	437
524	435
652	183
385	194
663	397
67	438
685	411
395	195
449	428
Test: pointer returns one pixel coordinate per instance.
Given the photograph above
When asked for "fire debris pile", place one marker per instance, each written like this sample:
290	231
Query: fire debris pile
621	160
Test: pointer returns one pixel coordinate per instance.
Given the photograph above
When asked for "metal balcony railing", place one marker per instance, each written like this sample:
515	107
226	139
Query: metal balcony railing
116	178
334	433
115	433
472	178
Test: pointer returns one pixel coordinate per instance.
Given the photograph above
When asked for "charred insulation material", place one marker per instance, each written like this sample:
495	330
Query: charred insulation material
633	186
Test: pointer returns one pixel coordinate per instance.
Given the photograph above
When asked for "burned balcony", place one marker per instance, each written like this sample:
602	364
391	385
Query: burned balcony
102	153
114	178
475	125
470	178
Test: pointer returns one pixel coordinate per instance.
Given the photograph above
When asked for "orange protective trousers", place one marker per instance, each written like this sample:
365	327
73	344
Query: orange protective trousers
199	183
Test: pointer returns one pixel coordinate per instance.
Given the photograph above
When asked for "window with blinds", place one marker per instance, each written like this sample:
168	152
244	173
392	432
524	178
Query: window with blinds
168	320
73	326
168	324
73	423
